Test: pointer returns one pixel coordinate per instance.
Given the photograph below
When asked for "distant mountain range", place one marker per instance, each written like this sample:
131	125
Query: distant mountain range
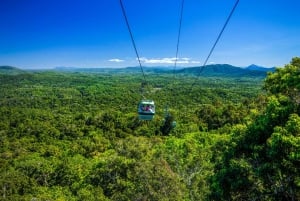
227	70
156	69
220	70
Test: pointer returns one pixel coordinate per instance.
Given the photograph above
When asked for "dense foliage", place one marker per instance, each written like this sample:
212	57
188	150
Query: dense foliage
262	159
76	136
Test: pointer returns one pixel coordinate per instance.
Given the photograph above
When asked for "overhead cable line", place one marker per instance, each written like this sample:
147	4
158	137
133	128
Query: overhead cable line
178	36
132	40
176	55
216	42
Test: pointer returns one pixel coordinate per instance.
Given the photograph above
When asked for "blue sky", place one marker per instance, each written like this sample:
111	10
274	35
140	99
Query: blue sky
93	33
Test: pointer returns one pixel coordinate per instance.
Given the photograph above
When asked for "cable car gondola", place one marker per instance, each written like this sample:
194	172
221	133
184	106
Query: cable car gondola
146	109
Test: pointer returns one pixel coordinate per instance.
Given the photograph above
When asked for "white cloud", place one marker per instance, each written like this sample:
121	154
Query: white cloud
116	60
168	60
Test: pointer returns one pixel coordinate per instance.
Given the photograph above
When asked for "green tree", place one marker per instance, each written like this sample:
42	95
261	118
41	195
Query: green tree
263	162
285	81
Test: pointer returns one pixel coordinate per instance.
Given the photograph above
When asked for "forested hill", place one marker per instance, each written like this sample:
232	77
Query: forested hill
10	70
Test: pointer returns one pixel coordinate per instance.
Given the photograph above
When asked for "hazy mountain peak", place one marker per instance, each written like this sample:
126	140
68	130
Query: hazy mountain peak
259	68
